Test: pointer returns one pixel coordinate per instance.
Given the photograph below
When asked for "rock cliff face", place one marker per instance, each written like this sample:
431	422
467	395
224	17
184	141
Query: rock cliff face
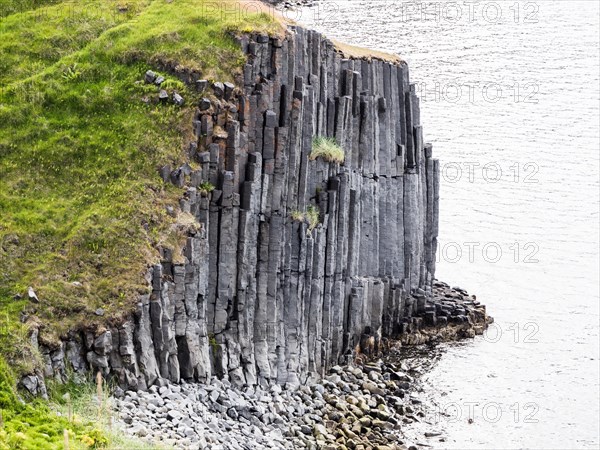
261	295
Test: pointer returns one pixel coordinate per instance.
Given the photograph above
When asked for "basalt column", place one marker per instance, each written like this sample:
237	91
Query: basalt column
290	298
293	263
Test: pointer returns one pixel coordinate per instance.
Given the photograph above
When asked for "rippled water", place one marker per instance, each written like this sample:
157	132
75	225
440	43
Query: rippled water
518	94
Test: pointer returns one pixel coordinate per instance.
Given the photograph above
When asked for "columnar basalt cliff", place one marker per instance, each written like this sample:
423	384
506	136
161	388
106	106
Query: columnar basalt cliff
260	295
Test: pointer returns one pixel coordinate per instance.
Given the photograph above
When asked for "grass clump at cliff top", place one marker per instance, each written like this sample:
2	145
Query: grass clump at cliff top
328	149
82	208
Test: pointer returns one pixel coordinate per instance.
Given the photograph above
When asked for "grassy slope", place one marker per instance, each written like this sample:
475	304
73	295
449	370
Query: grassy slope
33	425
80	197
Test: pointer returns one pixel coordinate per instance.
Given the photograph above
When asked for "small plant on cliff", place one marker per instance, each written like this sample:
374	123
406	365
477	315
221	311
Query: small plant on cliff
297	216
328	149
312	217
212	340
206	187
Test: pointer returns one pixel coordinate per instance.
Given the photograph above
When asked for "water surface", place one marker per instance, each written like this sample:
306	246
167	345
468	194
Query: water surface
510	100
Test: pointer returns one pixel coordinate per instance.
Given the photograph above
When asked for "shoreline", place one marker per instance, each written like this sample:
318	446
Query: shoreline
366	404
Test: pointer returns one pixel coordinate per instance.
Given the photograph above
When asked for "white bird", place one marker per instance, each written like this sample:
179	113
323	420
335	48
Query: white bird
32	295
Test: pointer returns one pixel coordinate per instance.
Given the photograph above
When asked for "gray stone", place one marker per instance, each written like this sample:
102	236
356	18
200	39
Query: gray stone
174	414
30	382
228	90
178	99
204	104
201	85
270	119
149	77
218	89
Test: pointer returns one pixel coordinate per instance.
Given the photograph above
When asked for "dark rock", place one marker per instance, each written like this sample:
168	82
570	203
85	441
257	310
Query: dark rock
431	434
228	92
232	413
262	38
118	392
97	361
159	80
178	178
201	85
270	119
178	99
165	173
218	89
204	104
149	77
30	382
163	95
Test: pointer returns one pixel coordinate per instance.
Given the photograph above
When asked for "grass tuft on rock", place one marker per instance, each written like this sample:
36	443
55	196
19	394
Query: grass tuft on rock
328	149
311	217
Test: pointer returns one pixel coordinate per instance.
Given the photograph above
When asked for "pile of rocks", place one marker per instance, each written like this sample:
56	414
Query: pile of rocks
449	314
364	406
152	78
361	407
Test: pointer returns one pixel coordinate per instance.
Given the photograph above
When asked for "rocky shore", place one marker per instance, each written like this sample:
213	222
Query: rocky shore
364	405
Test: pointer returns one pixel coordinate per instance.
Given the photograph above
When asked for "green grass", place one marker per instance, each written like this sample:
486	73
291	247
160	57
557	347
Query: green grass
38	425
312	217
35	425
81	138
297	216
328	149
9	7
80	405
206	187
